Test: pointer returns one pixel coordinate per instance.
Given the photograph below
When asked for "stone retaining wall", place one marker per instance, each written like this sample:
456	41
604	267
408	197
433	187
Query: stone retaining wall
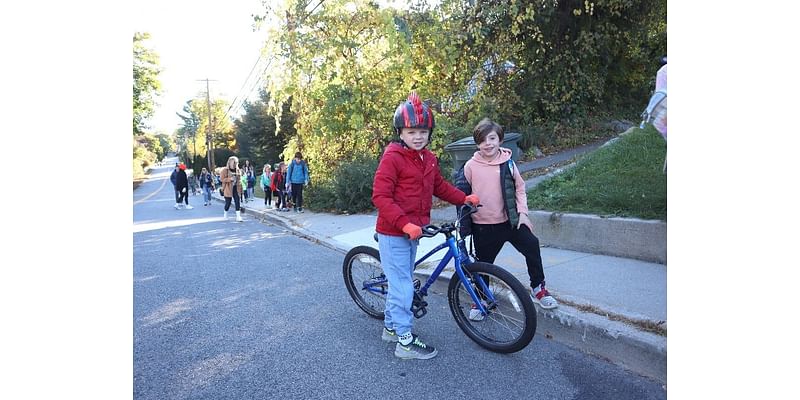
620	237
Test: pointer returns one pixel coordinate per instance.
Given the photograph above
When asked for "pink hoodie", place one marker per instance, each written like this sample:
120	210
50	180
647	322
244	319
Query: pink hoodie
484	177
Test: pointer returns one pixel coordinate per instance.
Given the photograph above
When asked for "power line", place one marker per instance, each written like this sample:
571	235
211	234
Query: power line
255	86
244	83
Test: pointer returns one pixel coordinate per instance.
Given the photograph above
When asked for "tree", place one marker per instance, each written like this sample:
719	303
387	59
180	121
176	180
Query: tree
194	131
257	132
146	86
344	65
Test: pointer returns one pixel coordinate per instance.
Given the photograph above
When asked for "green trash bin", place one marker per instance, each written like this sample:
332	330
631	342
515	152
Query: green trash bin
462	150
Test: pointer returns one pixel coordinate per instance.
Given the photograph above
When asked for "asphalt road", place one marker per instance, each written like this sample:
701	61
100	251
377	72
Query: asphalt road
226	310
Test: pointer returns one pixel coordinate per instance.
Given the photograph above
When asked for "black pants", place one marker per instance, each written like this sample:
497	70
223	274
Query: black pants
183	196
297	195
177	196
267	196
235	199
489	240
280	199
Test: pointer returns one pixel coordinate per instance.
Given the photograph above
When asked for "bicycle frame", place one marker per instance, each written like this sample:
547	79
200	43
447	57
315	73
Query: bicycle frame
452	250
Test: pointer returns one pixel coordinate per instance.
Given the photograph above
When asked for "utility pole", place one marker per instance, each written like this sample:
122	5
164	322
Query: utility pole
209	130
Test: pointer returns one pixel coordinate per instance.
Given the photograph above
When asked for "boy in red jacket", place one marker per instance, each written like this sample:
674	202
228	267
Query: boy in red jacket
405	181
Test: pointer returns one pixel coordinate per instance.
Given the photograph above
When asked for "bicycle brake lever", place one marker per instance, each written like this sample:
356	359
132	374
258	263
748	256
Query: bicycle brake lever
429	230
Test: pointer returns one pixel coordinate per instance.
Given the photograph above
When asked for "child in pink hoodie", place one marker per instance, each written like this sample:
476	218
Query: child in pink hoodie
494	177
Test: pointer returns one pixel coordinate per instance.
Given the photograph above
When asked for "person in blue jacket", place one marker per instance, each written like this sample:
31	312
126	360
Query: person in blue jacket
173	178
297	175
251	186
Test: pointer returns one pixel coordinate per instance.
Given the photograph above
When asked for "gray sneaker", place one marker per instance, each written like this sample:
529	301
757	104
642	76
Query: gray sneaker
415	349
389	335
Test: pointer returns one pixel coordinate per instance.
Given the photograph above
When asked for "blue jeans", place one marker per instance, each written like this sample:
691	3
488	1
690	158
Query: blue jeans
397	258
207	194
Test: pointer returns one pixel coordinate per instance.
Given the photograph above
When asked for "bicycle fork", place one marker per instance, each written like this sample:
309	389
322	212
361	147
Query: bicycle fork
473	281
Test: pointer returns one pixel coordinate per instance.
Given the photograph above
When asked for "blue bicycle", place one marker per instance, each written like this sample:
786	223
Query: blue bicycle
488	303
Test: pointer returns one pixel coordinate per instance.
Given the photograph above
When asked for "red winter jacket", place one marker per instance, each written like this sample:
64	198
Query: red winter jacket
403	188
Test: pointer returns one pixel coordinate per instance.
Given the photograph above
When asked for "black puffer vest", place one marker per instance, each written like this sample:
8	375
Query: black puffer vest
508	185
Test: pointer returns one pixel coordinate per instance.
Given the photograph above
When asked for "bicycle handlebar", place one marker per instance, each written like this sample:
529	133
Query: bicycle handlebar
430	230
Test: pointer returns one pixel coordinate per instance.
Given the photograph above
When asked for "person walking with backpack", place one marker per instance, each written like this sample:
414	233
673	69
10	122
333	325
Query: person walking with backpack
493	176
207	185
266	183
297	176
173	178
278	185
251	186
192	183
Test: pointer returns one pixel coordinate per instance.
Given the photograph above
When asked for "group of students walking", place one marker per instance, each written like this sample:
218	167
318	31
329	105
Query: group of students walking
237	185
286	183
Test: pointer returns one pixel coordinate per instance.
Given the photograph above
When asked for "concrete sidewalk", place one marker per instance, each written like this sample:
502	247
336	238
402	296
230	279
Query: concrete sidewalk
615	308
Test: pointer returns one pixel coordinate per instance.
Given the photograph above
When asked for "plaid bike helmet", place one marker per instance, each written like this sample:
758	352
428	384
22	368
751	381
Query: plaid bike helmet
413	113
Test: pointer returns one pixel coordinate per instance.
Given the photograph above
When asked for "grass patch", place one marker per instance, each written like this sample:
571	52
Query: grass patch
656	327
623	179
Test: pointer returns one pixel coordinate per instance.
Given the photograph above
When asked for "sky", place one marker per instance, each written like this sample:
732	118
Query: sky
196	40
203	39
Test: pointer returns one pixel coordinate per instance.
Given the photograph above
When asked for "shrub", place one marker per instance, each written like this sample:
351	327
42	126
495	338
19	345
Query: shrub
349	191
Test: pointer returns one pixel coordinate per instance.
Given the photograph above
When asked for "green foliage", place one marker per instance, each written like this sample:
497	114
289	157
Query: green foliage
146	86
345	69
192	136
567	58
550	70
349	191
146	150
257	132
623	179
167	144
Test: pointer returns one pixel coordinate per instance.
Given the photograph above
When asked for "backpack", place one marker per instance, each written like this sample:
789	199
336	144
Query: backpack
656	111
304	168
656	107
461	183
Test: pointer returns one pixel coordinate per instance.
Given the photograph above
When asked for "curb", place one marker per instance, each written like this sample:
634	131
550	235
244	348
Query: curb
638	351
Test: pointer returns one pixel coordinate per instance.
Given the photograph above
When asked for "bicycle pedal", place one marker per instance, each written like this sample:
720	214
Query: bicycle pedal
419	309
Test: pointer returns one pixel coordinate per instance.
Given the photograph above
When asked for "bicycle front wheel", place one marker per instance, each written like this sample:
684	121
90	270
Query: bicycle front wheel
365	280
511	320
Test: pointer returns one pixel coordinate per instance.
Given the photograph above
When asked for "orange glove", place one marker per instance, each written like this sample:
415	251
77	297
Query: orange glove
472	199
413	231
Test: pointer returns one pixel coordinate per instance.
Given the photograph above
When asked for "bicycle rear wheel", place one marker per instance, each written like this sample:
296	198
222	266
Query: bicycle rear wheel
365	280
511	320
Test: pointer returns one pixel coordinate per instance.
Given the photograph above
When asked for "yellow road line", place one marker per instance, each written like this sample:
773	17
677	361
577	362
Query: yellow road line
152	194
